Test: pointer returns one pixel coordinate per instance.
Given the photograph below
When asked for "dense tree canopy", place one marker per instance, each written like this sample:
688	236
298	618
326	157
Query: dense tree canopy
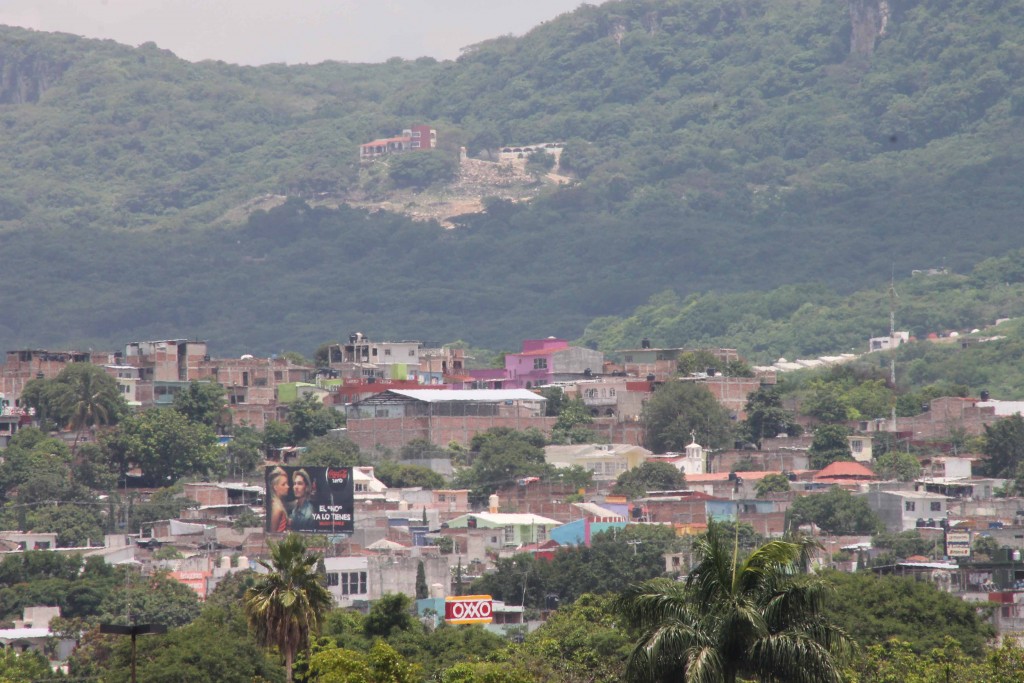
837	512
679	412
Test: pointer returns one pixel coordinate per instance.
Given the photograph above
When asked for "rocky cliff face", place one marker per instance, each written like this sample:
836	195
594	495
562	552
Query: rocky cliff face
868	21
24	79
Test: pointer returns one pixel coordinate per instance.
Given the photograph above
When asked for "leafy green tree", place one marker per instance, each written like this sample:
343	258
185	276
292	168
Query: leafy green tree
827	403
837	512
986	546
874	609
287	604
396	475
94	398
578	643
93	468
165	446
735	616
277	435
36	465
391	613
772	483
202	402
330	451
23	667
556	400
539	162
678	412
572	423
829	445
309	418
81	395
696	361
155	599
77	526
904	544
422	449
649	476
244	452
898	465
870	399
421	581
216	647
1003	447
382	664
766	417
421	169
500	458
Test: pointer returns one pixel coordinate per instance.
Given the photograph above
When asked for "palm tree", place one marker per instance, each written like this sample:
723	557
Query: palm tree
288	603
758	616
92	398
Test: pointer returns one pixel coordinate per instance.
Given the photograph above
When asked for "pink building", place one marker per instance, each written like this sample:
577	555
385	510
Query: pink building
543	361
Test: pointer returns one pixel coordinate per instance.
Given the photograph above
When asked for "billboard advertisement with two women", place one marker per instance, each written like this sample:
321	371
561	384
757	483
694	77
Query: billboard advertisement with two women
311	500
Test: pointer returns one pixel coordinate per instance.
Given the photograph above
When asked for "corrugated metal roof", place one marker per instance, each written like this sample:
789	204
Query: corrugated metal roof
447	395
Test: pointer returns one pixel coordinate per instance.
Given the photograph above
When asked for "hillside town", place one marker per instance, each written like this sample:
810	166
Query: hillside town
428	406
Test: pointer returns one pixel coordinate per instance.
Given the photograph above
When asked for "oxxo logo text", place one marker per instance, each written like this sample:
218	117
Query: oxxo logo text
468	609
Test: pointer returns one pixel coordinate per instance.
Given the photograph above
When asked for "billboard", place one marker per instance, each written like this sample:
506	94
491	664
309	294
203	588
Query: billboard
311	500
958	544
468	609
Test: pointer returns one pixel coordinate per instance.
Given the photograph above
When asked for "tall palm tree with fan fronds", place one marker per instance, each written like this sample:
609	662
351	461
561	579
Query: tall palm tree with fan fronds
287	604
760	616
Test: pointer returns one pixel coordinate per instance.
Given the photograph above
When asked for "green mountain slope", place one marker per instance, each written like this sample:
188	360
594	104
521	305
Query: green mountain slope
730	146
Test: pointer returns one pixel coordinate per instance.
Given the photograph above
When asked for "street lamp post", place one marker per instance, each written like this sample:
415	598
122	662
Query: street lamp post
132	630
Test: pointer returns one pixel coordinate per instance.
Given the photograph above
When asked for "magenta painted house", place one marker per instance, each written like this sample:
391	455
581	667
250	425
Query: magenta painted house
543	361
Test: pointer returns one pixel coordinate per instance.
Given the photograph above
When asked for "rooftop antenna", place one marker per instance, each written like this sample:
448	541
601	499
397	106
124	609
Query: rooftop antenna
892	338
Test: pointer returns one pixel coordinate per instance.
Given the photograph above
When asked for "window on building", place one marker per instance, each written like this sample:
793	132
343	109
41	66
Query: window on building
412	352
332	579
387	352
540	363
856	445
611	393
510	534
936	506
909	506
353	583
440	498
277	375
629	359
542	534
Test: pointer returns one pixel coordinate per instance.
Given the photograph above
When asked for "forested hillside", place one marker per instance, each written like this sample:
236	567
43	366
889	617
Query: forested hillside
731	146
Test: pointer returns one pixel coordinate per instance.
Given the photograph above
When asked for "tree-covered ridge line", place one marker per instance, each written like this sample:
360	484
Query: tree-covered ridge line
802	321
724	147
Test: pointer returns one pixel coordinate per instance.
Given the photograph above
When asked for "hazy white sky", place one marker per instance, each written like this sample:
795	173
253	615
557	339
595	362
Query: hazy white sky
291	31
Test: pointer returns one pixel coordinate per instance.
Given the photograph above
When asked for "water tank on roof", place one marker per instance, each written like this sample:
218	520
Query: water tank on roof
985	395
645	343
403	505
243	562
493	503
588	373
651	378
436	590
246	356
711	372
225	562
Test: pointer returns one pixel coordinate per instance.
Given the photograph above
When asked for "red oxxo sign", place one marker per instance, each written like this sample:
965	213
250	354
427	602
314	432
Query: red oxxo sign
468	609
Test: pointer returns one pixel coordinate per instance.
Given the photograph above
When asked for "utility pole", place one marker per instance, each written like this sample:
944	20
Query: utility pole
892	340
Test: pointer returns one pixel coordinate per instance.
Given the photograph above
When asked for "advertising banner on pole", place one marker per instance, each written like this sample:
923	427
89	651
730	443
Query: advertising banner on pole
310	500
